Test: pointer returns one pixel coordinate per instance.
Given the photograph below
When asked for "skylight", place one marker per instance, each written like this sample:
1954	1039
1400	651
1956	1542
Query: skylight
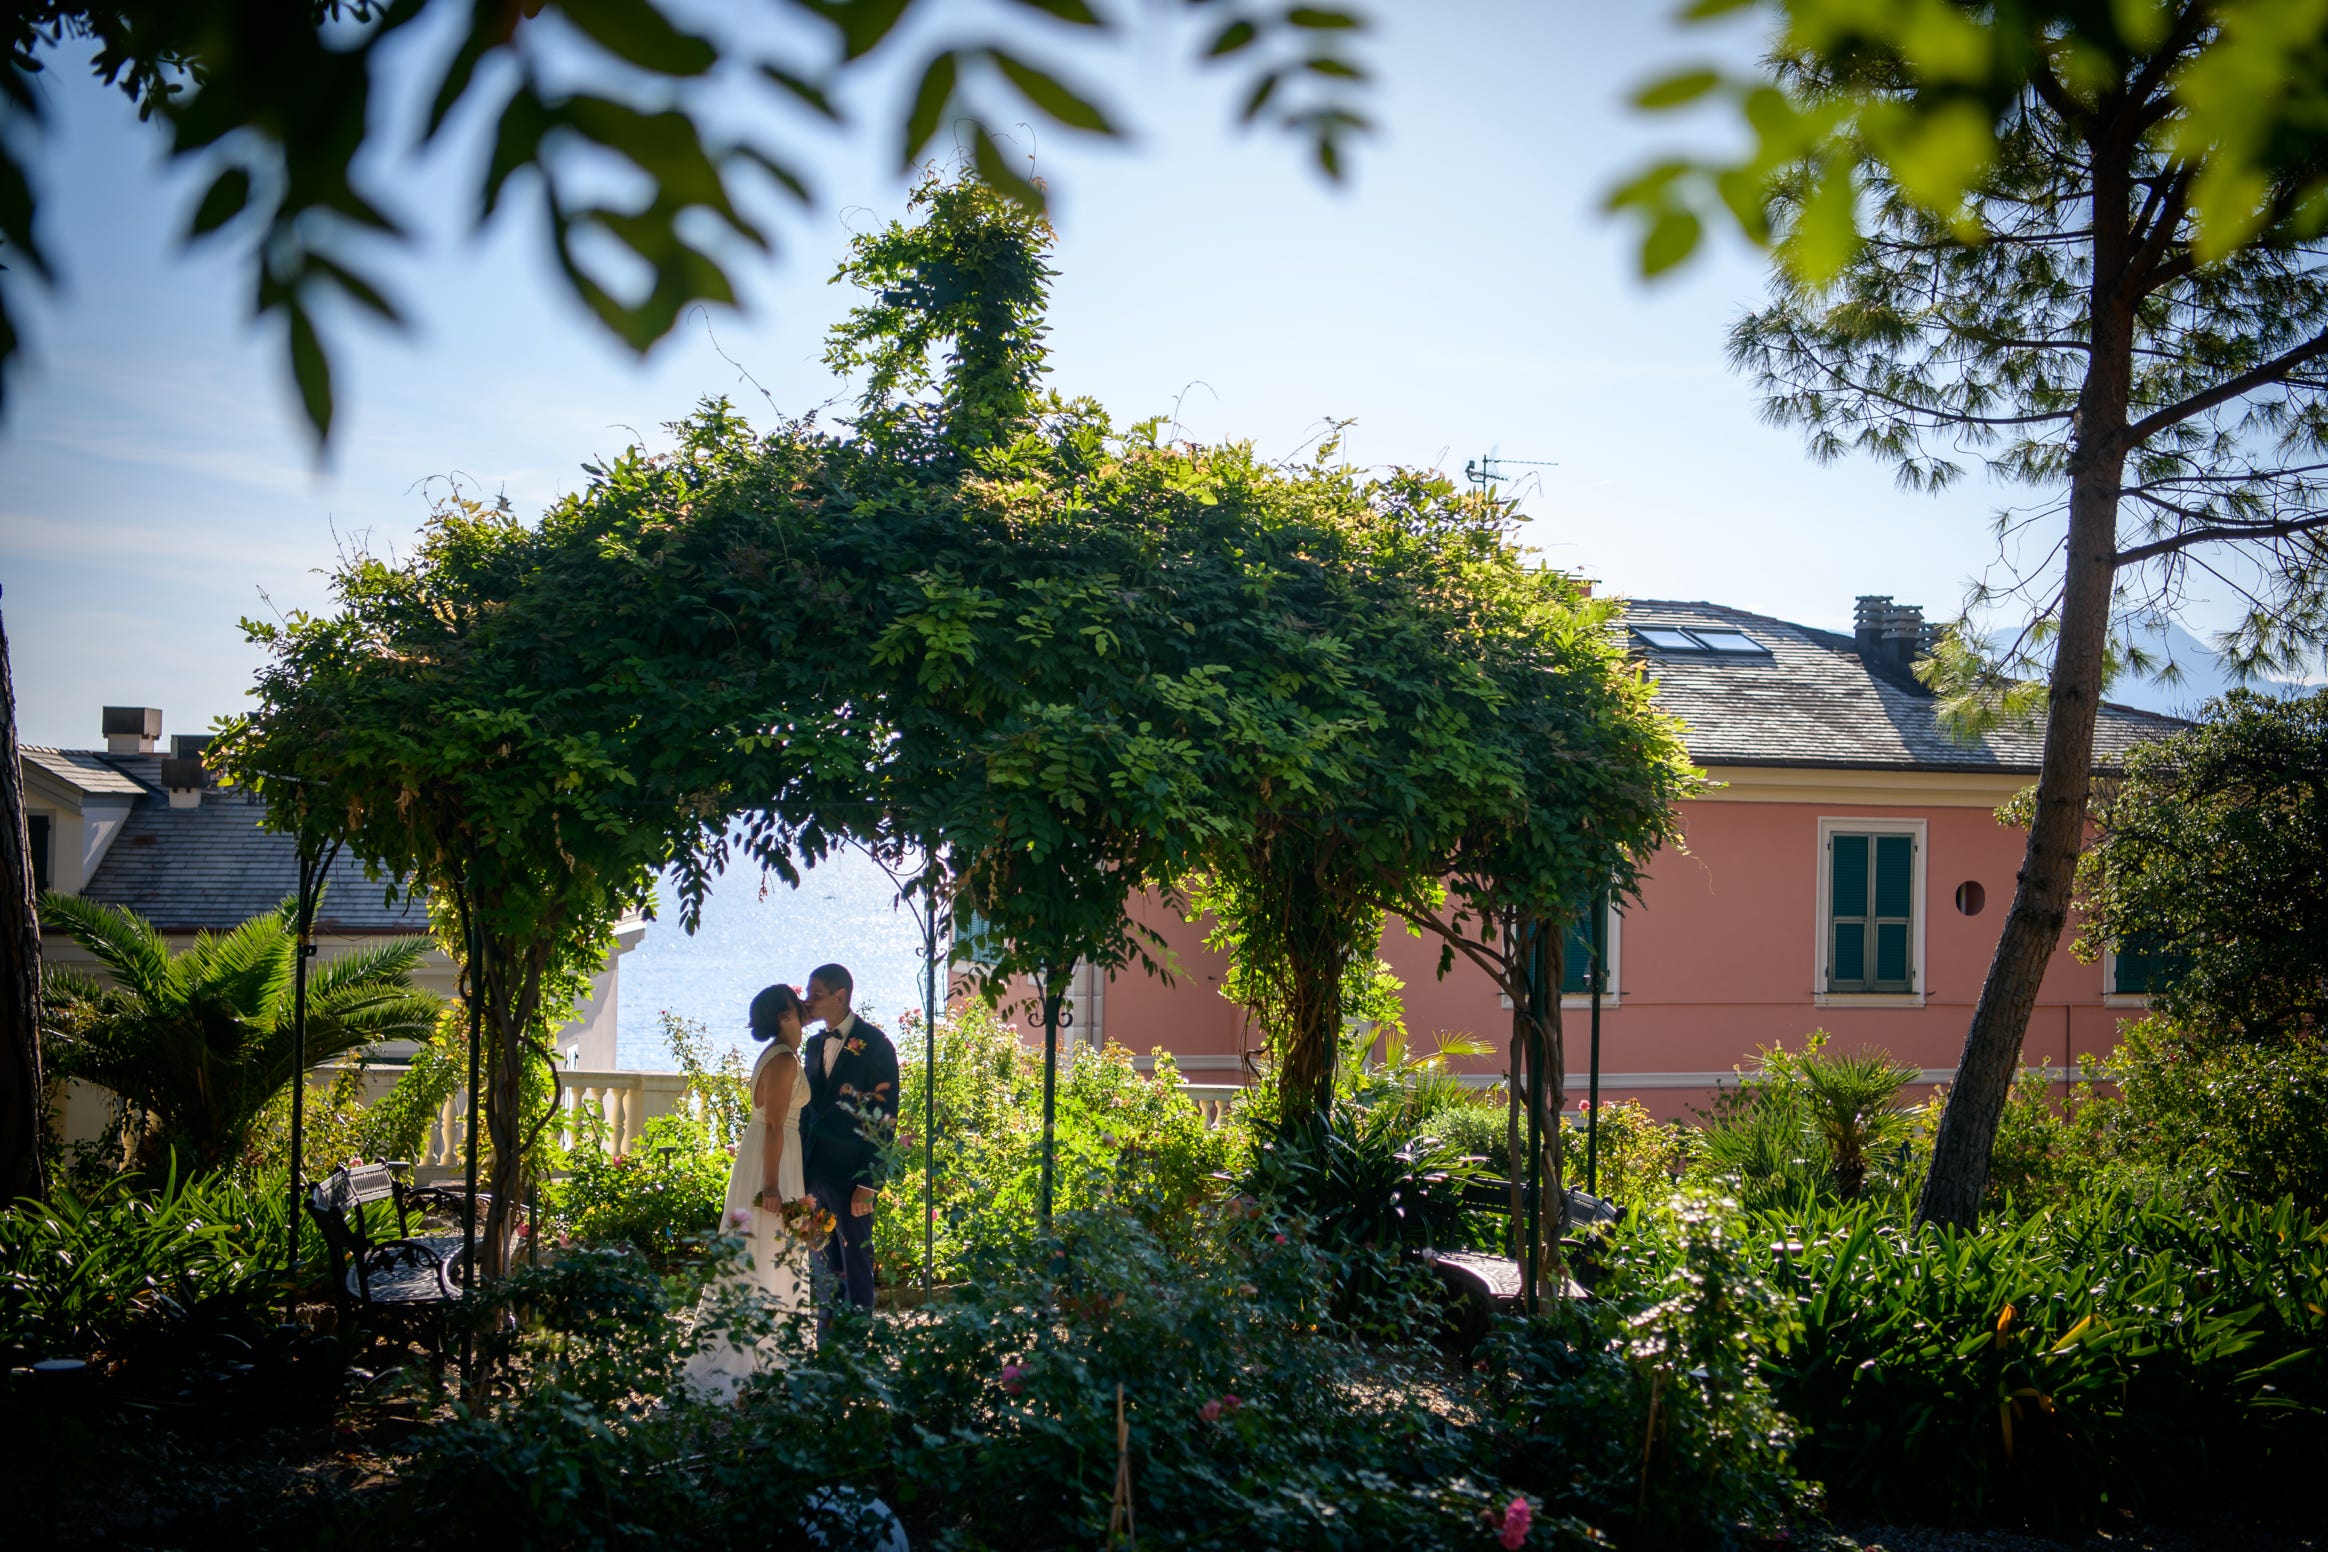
1707	639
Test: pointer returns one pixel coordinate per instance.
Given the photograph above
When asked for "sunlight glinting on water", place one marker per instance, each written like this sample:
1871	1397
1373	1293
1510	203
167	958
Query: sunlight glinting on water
845	910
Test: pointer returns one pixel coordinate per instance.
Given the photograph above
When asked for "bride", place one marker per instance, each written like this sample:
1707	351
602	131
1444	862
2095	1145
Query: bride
775	1272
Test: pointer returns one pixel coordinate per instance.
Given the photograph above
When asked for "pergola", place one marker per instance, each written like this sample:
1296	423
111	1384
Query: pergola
1038	661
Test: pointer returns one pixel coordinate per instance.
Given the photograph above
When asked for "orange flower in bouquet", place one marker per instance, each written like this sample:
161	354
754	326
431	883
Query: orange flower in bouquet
805	1220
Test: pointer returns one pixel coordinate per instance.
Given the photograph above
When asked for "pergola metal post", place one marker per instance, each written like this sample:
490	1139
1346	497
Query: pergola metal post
1053	997
313	866
474	993
929	1092
1600	975
1535	961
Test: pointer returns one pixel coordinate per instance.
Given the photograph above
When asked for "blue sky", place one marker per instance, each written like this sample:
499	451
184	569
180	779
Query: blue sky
1460	294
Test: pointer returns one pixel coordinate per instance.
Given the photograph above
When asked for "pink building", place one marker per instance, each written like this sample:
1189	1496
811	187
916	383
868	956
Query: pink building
1844	871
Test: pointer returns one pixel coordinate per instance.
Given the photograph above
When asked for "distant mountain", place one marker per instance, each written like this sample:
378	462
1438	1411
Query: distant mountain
2204	676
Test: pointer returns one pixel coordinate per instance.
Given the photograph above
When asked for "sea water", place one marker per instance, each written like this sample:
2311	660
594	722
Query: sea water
756	932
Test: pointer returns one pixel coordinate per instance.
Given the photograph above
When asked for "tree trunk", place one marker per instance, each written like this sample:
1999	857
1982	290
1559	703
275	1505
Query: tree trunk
1316	923
513	996
1958	1181
1551	1044
22	1093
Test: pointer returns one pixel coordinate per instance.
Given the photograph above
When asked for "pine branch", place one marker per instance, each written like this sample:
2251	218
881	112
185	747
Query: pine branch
2218	529
2275	370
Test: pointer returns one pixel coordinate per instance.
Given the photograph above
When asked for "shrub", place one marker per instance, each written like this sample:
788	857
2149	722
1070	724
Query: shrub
175	1291
1641	1159
2113	1354
1253	1417
658	1198
198	1040
1809	1127
1361	1178
1131	1140
2205	1117
1646	1412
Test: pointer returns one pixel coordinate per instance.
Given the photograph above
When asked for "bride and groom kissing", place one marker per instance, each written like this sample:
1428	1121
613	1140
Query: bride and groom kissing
808	1165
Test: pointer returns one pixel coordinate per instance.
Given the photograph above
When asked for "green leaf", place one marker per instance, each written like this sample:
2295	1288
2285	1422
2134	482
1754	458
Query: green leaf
638	33
360	290
1341	69
1236	35
485	35
1826	233
1672	92
995	171
862	24
1074	12
1263	90
793	183
929	104
1672	237
224	200
517	142
311	370
1316	19
1054	97
804	89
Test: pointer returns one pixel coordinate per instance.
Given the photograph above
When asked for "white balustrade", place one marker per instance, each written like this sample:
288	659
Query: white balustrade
1213	1100
625	1102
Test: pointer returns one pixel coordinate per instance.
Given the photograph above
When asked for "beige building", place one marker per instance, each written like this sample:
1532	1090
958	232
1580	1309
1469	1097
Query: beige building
131	826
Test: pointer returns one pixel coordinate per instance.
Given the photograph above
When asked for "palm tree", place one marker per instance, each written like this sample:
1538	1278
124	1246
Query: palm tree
201	1040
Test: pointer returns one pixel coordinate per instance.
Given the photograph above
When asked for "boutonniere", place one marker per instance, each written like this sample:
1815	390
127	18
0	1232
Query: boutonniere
853	1045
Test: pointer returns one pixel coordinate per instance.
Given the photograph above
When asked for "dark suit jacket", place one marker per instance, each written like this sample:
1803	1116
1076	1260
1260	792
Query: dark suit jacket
833	1128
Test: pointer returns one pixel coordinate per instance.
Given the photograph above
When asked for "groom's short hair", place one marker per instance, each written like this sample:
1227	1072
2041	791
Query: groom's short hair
834	978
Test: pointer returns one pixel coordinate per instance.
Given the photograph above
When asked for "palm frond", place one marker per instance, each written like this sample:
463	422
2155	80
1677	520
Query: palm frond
119	939
391	960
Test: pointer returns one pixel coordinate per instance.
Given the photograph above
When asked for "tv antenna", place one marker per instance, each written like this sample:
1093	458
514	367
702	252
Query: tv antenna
1488	470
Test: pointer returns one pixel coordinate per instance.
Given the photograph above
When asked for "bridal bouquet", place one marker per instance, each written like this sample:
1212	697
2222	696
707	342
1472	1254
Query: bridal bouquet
805	1220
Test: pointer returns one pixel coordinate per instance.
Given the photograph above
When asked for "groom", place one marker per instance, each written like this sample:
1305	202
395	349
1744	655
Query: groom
852	1108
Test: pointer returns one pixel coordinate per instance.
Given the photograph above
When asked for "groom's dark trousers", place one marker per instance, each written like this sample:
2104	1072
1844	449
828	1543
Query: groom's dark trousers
842	1130
849	1250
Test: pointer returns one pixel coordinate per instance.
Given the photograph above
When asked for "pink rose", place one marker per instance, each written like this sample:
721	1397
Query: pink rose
1277	1239
1014	1378
1513	1529
740	1218
1210	1411
1230	1403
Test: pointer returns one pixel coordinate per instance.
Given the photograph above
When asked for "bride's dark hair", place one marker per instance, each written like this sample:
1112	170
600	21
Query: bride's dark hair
769	1008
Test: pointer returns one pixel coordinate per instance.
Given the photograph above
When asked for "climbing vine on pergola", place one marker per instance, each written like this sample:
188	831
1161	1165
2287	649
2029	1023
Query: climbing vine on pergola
1062	661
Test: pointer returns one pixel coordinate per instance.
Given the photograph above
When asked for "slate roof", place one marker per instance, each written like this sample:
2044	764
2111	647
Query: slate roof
83	769
212	867
1811	700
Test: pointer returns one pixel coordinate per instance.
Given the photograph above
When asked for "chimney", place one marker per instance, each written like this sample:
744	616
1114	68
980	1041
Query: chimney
182	774
132	729
1890	636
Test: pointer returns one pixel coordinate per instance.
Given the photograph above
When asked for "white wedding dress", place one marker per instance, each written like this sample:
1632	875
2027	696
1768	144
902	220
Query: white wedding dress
776	1268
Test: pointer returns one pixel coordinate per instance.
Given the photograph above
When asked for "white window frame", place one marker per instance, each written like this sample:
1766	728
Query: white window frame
1611	993
1614	943
1822	925
2111	996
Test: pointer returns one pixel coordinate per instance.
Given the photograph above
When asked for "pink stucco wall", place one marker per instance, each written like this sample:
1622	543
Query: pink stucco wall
1716	958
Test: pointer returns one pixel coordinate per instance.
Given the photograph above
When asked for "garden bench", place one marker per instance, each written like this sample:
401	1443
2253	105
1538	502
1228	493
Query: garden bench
1481	1285
405	1280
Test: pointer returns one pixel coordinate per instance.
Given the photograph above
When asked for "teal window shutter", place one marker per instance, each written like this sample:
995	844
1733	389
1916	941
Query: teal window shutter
1871	909
1576	954
2143	965
1895	875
